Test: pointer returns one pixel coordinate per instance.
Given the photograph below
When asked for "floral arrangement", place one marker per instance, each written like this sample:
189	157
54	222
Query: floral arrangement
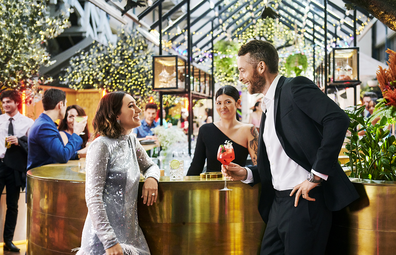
168	136
387	82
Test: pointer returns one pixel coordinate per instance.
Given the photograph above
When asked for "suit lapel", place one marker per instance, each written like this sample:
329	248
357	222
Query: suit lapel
278	90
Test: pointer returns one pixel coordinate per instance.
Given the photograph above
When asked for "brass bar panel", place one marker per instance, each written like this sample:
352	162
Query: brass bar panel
368	225
191	216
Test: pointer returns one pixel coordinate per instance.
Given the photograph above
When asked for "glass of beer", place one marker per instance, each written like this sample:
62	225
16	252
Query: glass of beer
7	143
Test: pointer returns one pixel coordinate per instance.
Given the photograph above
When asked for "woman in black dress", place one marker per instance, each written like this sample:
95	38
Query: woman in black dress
244	137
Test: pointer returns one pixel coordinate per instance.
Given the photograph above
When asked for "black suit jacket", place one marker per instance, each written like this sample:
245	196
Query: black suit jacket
16	159
311	129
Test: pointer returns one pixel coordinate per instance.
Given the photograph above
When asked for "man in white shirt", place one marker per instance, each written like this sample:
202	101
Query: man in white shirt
301	134
14	129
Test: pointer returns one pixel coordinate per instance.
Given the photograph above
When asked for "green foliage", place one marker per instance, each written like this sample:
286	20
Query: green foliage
25	27
226	69
296	63
126	66
382	109
372	156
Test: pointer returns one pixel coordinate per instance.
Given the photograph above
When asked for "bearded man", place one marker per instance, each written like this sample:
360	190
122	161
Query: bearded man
301	134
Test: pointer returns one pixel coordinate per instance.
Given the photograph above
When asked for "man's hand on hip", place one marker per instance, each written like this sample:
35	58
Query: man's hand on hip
303	189
234	172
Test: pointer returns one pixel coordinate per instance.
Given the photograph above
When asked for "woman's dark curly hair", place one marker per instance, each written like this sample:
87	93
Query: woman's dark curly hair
105	120
80	112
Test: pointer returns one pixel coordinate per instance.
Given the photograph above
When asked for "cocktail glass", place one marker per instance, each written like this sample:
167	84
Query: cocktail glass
225	155
78	119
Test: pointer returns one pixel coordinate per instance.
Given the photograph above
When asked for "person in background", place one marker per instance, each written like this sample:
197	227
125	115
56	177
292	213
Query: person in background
14	129
45	142
148	123
66	129
183	121
208	115
301	134
165	124
255	116
244	137
367	98
115	161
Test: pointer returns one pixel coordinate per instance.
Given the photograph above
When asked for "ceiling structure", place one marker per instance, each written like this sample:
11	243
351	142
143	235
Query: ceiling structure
232	17
229	19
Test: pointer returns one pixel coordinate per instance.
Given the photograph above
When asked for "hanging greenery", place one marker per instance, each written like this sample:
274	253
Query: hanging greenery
25	27
125	66
226	69
288	42
296	63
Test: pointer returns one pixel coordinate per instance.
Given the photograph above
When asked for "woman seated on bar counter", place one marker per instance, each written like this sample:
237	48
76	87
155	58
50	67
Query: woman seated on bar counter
66	129
114	162
244	137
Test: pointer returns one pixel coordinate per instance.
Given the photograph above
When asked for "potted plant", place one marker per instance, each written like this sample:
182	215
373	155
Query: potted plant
368	225
372	156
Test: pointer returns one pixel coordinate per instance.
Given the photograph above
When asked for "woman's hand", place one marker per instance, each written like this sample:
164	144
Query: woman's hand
115	250
150	191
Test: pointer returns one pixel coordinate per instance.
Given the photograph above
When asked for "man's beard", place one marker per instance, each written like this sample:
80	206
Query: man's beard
257	83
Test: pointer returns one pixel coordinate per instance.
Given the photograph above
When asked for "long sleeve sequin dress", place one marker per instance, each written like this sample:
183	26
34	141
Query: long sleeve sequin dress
113	168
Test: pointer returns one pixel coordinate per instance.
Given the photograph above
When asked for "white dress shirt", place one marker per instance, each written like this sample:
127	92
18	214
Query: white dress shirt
21	125
286	173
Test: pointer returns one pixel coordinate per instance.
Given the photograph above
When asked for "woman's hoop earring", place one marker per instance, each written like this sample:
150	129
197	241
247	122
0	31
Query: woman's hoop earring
118	121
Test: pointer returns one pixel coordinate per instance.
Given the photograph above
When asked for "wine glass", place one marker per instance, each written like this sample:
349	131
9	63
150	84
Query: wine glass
225	155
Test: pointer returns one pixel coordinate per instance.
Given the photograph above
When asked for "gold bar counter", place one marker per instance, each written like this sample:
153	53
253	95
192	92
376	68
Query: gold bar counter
190	217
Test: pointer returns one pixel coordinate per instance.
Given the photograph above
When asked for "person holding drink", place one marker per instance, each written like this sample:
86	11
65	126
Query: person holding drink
115	161
244	137
301	134
45	142
74	113
14	129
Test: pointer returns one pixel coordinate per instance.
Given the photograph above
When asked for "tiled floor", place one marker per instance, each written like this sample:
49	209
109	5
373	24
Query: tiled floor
21	246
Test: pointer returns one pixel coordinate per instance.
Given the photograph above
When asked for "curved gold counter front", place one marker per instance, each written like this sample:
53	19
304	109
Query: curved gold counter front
190	217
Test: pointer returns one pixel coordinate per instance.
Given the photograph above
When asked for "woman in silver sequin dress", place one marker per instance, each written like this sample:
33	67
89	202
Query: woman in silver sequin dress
113	166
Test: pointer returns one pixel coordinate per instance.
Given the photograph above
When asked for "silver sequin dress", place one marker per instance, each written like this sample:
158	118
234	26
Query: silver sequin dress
113	168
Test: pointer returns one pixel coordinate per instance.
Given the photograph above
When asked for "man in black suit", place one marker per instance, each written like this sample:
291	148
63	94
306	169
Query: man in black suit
14	128
301	134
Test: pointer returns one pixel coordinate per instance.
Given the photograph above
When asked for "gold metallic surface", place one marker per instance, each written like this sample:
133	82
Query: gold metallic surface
191	216
368	225
210	175
56	209
195	217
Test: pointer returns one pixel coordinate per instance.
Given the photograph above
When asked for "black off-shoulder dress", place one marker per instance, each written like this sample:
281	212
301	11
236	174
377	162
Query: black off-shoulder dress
208	142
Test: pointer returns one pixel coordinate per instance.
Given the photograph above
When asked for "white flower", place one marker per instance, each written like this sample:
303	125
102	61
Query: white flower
169	136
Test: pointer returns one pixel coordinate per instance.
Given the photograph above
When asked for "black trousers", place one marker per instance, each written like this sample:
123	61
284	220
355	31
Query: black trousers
7	178
301	230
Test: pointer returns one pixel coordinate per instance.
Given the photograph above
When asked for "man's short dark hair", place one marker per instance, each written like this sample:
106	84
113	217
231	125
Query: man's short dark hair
52	97
151	106
13	95
261	51
372	95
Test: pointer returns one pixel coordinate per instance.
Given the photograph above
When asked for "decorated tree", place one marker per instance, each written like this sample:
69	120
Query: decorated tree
25	27
125	66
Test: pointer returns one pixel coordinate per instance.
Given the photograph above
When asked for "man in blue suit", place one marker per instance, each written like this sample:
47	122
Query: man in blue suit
45	143
301	134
